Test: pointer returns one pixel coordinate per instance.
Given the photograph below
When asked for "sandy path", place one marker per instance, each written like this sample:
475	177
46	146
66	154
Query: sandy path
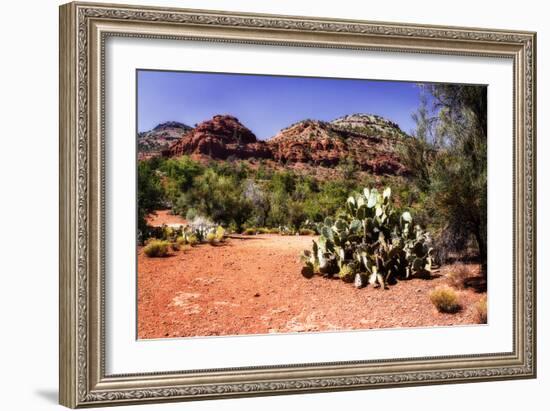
253	285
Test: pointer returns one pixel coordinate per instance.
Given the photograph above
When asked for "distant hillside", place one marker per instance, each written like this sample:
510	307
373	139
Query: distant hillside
369	141
152	142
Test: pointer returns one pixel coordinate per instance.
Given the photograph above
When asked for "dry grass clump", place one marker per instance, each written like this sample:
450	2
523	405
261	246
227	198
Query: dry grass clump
157	248
481	309
445	299
458	275
211	238
220	234
306	231
193	240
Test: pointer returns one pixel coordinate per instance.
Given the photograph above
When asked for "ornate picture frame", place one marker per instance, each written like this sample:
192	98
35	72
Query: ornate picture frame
84	28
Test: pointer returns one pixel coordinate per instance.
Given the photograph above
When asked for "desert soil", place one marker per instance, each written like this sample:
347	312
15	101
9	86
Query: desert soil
161	217
253	285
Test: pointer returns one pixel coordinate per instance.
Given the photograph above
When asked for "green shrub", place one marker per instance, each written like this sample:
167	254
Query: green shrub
481	309
156	248
274	230
445	299
250	231
306	231
263	230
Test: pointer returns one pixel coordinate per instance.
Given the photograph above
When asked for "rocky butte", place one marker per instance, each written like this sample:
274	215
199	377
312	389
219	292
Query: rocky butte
369	141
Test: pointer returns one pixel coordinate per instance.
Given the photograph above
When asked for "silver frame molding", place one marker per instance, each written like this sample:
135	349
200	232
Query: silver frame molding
84	27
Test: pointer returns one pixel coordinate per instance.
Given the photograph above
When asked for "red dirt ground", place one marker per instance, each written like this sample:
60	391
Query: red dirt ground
161	217
253	285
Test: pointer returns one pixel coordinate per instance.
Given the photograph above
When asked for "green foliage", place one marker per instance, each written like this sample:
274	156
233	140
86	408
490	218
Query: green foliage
448	162
306	231
372	238
445	299
250	231
149	195
235	196
156	248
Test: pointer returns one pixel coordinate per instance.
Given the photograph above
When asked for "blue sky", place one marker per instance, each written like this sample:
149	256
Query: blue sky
266	104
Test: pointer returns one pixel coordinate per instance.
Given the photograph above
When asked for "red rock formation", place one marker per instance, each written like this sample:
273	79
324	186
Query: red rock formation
370	142
220	138
324	144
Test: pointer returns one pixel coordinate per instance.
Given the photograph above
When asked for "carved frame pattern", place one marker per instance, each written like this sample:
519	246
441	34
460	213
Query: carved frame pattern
80	345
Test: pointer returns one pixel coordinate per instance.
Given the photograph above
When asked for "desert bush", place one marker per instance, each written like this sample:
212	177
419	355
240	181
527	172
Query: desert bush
263	230
284	230
211	238
250	231
481	310
220	233
458	274
179	243
445	299
156	248
371	235
306	231
193	240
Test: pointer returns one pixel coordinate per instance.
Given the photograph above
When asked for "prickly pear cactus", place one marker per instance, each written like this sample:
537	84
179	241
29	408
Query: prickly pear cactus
369	243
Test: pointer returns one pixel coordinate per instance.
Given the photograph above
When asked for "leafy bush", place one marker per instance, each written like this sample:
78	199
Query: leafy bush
370	236
306	231
250	231
481	309
156	248
445	299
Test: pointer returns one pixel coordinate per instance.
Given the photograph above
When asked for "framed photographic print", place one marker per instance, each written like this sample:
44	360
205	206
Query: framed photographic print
259	204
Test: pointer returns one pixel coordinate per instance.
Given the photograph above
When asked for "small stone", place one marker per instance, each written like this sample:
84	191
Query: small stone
257	295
